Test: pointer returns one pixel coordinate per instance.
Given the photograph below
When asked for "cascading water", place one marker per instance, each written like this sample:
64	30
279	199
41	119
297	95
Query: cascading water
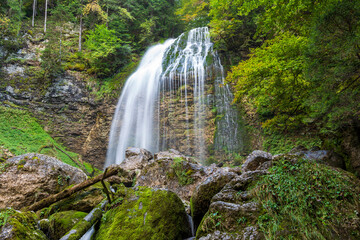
175	108
132	124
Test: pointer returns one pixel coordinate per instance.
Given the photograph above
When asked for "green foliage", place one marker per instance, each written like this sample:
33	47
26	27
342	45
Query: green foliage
105	51
182	173
273	80
230	31
4	215
111	87
194	12
306	72
278	143
306	200
20	133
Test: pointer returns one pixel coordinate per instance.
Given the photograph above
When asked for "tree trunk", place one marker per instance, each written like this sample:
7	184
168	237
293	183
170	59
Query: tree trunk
34	13
80	32
68	192
46	4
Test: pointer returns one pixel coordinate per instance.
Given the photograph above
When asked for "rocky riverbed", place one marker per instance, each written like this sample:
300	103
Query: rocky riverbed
166	189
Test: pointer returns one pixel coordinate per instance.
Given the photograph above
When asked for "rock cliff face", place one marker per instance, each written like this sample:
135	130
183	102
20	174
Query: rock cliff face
66	108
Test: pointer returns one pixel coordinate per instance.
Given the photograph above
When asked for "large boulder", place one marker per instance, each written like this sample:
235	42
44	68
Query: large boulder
204	192
255	160
172	170
19	226
31	177
136	159
326	157
145	213
233	212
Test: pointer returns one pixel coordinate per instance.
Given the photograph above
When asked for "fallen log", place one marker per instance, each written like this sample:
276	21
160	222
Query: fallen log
111	171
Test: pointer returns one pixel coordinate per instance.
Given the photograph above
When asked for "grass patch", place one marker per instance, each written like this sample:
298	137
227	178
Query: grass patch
21	133
306	200
277	143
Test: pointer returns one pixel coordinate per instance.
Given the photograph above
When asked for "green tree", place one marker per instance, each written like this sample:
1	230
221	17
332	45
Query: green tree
273	80
105	51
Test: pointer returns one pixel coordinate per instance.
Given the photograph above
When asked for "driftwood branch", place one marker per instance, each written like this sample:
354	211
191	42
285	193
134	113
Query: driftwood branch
104	186
68	192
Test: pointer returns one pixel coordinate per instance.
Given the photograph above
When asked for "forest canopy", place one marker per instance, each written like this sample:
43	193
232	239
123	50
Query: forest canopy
297	62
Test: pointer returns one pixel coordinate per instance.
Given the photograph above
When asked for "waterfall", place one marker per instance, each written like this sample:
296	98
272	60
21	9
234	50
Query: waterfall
132	124
172	99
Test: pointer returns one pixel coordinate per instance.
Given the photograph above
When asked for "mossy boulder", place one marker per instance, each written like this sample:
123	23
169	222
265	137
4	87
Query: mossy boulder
16	225
62	222
303	199
203	194
145	213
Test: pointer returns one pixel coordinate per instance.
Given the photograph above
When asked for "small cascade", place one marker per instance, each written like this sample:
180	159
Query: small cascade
191	223
229	135
176	99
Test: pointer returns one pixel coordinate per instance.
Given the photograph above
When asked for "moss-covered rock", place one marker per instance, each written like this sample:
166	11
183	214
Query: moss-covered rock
17	225
303	199
62	222
84	224
146	214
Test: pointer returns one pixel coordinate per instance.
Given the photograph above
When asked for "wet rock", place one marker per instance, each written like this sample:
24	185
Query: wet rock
217	235
146	214
255	160
326	157
60	223
64	90
168	155
136	159
31	177
203	194
172	170
20	225
233	213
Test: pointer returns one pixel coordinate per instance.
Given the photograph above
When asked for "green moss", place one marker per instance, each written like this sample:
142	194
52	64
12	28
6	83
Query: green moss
23	226
145	214
62	222
306	200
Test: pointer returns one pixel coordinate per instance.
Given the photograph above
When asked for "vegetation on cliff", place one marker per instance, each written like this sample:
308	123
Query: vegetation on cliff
295	63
